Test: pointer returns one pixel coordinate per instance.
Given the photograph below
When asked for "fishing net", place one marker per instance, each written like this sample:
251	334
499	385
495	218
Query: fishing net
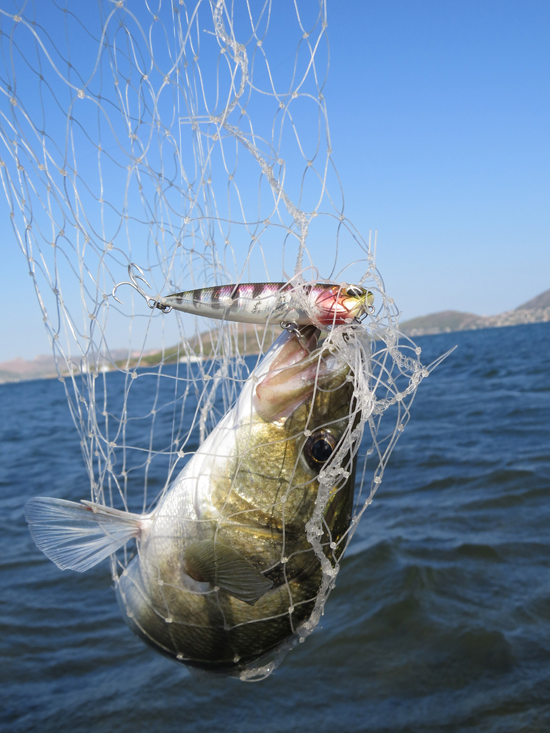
181	145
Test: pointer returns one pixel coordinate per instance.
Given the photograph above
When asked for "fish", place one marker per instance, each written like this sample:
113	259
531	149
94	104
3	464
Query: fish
324	304
224	573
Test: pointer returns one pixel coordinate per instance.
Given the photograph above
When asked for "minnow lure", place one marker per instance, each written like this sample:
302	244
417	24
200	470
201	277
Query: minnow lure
262	303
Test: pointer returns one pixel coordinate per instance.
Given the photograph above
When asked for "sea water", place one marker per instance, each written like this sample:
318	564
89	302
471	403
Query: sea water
440	620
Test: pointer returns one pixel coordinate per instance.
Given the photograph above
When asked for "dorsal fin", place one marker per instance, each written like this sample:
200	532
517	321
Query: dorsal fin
78	536
212	562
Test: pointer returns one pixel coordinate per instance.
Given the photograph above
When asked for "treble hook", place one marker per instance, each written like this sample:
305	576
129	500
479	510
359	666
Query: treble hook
151	302
301	333
369	310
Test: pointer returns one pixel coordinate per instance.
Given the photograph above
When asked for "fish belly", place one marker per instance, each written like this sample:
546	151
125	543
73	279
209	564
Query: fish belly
211	630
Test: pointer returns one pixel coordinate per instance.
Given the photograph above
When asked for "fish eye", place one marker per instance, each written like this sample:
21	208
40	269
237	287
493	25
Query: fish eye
318	448
354	291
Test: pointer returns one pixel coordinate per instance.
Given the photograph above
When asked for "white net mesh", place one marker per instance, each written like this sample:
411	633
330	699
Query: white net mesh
190	140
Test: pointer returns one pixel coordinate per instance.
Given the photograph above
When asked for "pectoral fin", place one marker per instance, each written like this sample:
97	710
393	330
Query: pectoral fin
211	562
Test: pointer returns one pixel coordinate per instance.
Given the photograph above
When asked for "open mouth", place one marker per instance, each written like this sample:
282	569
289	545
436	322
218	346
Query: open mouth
297	369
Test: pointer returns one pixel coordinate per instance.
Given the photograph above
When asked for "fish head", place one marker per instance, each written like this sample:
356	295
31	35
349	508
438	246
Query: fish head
307	397
303	414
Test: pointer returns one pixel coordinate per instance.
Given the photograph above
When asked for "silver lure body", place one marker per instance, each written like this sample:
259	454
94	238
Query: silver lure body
263	303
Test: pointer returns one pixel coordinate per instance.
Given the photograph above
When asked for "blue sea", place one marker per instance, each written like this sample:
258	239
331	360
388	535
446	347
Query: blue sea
440	620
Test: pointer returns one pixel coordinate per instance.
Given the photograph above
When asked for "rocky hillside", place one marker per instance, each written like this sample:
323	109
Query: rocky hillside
249	340
536	310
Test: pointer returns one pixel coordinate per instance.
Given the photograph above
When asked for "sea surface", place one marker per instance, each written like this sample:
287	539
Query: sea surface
440	620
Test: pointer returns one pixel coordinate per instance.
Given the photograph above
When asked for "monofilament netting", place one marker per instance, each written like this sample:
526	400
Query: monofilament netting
188	139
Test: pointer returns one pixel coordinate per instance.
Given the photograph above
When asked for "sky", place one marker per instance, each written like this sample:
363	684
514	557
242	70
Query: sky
439	117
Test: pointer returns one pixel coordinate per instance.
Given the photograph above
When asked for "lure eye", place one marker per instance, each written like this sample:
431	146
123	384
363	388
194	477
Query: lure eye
354	291
318	448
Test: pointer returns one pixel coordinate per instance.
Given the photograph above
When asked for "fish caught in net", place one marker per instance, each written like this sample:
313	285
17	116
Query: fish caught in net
238	400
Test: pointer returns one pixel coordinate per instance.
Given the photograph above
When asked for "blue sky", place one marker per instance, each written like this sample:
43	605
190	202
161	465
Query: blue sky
439	116
449	106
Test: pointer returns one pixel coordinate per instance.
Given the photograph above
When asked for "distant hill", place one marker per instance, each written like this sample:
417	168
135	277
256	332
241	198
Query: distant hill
536	310
541	301
19	369
250	339
437	322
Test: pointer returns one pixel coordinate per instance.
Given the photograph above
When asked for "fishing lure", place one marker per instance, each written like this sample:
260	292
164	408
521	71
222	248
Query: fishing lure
289	304
261	303
325	304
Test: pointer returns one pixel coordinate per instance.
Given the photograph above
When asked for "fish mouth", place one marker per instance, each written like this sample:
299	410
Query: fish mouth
297	370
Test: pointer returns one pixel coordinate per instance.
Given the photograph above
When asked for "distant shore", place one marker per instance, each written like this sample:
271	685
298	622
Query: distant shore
448	321
536	310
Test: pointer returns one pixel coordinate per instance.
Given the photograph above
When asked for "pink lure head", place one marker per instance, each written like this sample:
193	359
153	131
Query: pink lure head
340	304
